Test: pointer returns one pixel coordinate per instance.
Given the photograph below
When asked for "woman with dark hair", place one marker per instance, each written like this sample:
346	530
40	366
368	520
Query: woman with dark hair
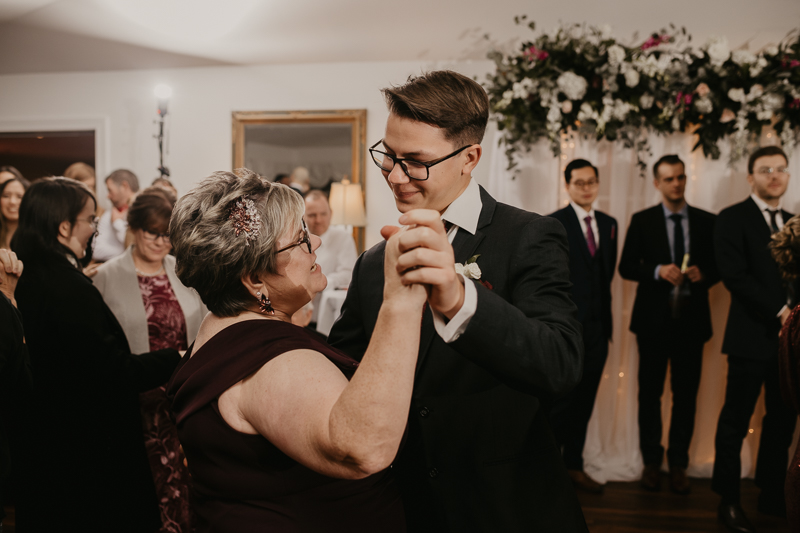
8	172
156	311
284	433
11	193
85	464
786	252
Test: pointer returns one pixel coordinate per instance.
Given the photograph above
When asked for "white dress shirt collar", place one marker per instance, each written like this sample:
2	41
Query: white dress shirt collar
465	210
581	212
762	205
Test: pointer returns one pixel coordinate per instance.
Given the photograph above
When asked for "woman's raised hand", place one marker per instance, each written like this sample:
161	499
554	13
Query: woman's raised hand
393	287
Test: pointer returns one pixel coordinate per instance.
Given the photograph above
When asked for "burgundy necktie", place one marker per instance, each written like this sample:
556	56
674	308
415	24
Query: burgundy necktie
590	236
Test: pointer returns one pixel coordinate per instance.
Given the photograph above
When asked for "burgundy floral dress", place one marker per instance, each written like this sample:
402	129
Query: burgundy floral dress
167	329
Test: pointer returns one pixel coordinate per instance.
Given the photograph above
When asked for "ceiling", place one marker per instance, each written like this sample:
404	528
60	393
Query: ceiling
93	35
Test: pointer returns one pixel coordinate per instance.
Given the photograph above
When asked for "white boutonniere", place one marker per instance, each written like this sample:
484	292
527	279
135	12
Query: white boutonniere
471	270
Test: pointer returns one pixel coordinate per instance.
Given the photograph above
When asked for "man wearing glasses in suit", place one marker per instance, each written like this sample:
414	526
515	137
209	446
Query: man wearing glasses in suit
592	239
669	251
758	308
496	340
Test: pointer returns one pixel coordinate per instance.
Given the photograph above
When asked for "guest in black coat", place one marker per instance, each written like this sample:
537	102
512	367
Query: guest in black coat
592	237
85	464
671	316
758	308
15	373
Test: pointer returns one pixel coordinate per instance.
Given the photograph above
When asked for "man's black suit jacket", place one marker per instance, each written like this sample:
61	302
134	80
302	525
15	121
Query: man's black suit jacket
742	240
580	263
647	246
480	455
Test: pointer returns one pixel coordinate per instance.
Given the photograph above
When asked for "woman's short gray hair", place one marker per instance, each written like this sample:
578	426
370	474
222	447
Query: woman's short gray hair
211	255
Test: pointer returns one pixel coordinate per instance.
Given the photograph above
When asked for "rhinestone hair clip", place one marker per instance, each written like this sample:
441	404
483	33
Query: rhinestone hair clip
245	218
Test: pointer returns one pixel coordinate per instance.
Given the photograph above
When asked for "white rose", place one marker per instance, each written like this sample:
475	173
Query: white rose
755	92
743	57
737	95
572	85
616	54
621	110
718	50
764	114
676	124
646	101
566	107
508	95
472	271
586	112
756	69
773	101
771	50
554	114
631	78
460	269
704	105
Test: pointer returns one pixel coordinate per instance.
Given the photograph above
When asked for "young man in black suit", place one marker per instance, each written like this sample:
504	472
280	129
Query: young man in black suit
480	454
669	251
592	237
758	308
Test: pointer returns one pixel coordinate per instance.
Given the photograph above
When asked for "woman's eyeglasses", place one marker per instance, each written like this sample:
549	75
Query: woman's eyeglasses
305	240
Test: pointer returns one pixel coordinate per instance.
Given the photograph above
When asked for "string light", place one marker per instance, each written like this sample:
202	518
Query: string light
622	374
750	430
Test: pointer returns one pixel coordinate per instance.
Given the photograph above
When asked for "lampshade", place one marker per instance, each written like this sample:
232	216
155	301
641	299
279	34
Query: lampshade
347	204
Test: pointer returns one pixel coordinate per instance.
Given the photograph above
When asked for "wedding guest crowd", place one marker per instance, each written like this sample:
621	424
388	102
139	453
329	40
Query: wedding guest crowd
122	186
83	455
156	311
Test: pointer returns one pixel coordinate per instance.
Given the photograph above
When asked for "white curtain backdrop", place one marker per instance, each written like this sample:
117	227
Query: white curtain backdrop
612	444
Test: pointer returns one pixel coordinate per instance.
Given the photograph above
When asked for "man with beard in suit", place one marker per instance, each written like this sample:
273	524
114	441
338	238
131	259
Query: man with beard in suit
496	340
592	239
758	308
669	251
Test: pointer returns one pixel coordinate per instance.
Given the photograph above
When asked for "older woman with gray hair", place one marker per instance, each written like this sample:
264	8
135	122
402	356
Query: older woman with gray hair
282	432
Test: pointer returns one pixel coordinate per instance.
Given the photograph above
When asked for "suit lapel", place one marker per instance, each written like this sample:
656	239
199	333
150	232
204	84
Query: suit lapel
660	237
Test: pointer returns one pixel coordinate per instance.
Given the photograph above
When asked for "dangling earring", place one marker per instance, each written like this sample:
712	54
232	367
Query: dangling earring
264	305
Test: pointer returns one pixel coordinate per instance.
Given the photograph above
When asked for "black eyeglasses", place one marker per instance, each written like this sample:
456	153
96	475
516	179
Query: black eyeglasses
306	240
416	170
153	236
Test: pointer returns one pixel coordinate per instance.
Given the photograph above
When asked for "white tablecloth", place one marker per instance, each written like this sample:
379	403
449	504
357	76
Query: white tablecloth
330	306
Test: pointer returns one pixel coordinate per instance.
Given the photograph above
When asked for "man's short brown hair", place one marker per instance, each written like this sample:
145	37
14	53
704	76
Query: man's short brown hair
445	99
763	152
121	176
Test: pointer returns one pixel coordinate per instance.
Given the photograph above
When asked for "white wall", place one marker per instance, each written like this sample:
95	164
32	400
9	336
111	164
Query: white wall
121	106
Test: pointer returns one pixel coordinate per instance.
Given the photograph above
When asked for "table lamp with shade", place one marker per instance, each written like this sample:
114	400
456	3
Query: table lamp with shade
347	204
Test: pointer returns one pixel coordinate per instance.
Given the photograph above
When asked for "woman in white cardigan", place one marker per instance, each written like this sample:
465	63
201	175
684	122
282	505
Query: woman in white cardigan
155	309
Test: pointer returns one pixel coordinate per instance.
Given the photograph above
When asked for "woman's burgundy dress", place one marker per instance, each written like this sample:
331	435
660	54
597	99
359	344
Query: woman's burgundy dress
242	483
789	361
166	327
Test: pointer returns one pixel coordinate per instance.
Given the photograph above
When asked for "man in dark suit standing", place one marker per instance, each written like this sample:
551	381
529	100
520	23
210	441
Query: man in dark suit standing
669	251
592	237
480	454
758	308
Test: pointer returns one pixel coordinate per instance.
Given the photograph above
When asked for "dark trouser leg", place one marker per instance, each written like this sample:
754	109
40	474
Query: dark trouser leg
577	415
686	362
653	359
776	436
745	377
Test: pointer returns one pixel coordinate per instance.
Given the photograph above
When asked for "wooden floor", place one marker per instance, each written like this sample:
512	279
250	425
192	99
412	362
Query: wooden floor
626	508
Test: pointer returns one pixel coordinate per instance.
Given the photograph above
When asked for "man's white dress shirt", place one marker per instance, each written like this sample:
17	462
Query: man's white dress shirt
337	257
110	240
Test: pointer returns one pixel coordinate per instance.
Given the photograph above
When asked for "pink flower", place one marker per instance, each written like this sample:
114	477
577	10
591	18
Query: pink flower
655	40
794	63
534	53
702	90
687	99
727	116
679	98
795	104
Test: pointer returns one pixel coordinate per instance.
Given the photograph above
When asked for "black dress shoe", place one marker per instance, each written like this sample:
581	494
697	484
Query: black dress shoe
651	478
732	515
